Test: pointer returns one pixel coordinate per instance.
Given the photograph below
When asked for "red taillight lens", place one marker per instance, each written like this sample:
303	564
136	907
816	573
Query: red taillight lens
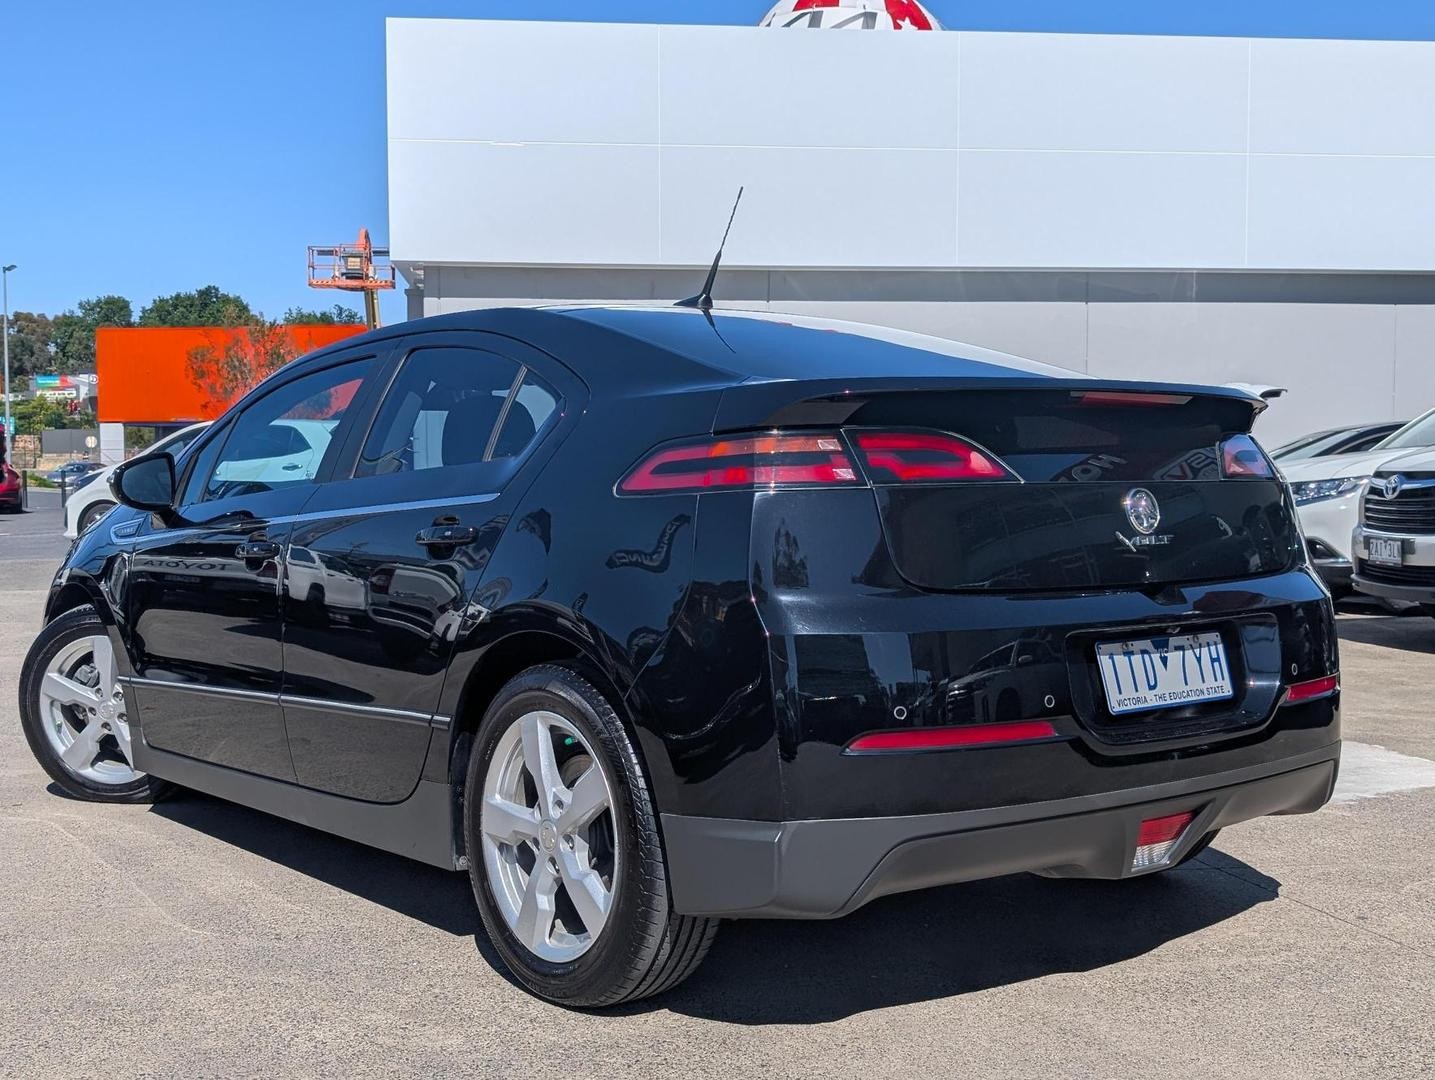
1157	838
1163	830
1242	459
947	738
1309	691
923	457
761	461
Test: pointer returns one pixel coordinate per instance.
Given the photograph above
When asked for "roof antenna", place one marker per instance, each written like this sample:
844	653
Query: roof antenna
704	300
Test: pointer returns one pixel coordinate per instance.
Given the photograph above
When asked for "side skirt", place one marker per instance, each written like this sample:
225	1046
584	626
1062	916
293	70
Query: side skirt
420	827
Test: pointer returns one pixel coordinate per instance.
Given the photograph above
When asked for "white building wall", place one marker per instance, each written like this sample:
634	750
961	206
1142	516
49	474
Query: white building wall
622	145
1196	208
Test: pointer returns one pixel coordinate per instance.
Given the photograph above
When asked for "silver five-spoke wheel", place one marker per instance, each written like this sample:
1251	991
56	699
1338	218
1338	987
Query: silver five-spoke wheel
82	709
549	843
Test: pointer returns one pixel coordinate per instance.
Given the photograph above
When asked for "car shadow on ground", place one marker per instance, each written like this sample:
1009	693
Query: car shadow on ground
898	950
440	898
956	940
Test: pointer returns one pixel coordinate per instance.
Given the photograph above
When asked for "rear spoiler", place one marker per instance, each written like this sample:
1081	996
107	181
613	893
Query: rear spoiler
1260	390
829	402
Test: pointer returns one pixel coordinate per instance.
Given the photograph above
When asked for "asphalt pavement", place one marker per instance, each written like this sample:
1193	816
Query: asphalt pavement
196	938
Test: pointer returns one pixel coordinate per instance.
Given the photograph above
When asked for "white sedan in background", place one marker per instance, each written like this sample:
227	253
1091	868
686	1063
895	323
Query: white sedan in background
88	504
284	452
1328	491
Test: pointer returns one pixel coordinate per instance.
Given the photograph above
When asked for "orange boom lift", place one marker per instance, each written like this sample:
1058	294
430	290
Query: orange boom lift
357	267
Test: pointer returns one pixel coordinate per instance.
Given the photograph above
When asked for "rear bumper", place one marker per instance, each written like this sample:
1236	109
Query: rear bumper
830	867
1418	568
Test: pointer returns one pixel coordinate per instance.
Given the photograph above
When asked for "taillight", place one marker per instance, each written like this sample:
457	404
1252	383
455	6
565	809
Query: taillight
788	460
751	461
926	457
1242	459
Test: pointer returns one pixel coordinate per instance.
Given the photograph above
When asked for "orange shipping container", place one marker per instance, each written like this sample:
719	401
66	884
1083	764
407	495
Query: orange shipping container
143	374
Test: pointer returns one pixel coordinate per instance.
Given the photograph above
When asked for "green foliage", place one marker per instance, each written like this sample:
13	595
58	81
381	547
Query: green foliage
208	306
72	335
336	315
30	336
37	414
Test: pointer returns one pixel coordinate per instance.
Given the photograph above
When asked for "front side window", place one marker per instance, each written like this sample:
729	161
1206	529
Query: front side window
280	440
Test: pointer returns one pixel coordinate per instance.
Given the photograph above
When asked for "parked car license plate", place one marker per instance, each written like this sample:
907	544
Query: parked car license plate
1388	552
1163	672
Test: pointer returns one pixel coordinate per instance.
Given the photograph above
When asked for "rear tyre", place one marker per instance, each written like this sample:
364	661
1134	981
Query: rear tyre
565	857
93	513
74	715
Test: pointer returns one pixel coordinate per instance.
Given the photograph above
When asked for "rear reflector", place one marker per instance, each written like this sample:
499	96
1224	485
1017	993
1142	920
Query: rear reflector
946	738
1309	691
1156	838
751	462
922	457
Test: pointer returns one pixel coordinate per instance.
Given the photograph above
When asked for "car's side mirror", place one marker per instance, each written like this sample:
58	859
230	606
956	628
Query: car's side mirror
146	483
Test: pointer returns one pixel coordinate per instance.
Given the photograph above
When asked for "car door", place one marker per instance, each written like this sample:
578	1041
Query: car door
393	553
203	593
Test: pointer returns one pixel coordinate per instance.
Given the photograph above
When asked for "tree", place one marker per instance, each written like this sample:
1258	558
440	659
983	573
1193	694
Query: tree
72	335
30	335
238	356
39	414
336	315
208	306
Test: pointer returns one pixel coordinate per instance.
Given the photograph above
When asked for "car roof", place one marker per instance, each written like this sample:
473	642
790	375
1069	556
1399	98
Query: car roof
665	346
763	346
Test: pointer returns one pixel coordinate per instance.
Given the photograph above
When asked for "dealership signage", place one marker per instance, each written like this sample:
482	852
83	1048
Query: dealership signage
63	387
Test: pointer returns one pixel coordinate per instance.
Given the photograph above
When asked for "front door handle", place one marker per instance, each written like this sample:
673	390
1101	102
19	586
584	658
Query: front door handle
447	536
258	549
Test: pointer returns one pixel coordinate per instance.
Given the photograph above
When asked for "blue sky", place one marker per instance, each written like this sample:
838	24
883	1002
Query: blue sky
160	145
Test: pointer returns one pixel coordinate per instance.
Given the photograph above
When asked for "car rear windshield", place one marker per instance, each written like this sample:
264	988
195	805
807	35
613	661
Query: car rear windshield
1079	435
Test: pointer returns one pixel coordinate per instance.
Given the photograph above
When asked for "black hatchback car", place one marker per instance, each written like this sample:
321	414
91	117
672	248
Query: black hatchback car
649	618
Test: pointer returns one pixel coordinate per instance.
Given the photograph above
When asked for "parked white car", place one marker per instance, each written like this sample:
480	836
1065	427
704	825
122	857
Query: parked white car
1394	544
286	450
1328	491
93	501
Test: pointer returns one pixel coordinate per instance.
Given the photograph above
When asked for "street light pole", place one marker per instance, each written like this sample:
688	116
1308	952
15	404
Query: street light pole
5	333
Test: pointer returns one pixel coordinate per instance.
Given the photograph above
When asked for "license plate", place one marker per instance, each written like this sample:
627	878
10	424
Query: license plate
1162	673
1388	552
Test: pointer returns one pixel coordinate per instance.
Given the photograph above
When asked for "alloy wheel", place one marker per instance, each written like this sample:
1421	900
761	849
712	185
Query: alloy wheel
82	709
549	843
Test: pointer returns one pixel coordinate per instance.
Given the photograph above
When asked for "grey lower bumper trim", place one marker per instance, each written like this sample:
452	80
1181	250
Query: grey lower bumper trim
826	868
1415	594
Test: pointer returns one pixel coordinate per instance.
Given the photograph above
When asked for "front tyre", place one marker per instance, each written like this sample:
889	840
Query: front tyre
74	715
92	514
564	853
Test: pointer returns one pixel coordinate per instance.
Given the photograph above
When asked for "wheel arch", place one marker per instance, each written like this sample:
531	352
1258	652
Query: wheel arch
477	676
77	592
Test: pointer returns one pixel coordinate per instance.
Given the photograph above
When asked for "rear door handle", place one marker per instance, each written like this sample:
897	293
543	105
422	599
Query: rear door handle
447	536
258	549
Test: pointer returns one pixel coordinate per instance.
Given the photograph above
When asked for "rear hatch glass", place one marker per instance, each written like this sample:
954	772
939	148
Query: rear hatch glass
1081	455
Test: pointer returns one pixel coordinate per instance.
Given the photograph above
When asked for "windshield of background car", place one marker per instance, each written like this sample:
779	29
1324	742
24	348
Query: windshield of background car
1419	432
